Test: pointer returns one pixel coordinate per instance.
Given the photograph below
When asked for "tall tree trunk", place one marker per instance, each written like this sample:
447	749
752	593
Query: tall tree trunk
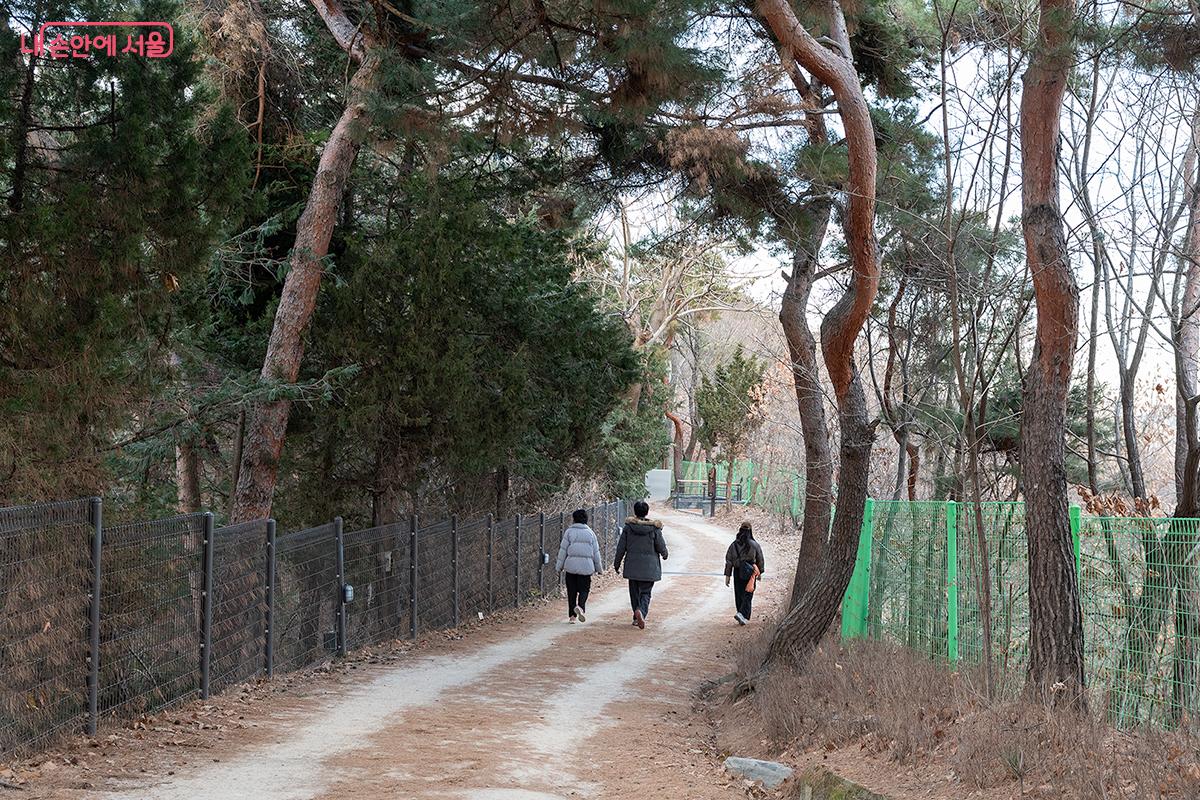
1055	616
187	456
382	596
267	422
806	228
239	438
1137	479
897	419
503	492
20	134
810	402
1097	280
677	450
187	477
808	620
689	452
729	483
1185	704
1093	330
1187	338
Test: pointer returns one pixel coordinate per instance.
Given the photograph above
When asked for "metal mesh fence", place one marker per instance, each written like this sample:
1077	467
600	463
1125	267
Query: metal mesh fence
529	566
435	576
377	566
555	525
151	604
506	533
239	606
1008	581
908	588
45	580
473	567
1139	584
184	608
305	598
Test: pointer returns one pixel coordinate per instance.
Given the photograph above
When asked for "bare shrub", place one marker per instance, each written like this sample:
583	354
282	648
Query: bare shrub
893	703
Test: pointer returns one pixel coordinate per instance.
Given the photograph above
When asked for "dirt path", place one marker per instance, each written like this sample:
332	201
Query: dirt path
533	709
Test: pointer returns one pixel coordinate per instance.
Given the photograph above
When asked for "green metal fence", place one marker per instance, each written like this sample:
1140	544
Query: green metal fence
918	583
779	491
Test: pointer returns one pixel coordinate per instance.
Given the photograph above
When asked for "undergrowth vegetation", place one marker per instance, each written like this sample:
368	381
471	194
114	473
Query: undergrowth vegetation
917	713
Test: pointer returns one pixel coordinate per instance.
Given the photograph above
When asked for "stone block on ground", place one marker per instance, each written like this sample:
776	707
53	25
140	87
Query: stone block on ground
769	773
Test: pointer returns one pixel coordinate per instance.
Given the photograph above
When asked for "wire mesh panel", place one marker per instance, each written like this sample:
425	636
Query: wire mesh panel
600	523
150	610
504	562
239	617
473	567
612	523
1008	553
45	579
908	580
377	566
555	524
435	577
305	597
530	557
1140	592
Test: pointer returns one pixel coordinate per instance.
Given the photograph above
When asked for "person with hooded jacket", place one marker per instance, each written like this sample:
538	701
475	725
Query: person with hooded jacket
640	547
579	556
744	563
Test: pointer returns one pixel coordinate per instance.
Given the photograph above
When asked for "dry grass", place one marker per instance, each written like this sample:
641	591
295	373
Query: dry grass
918	714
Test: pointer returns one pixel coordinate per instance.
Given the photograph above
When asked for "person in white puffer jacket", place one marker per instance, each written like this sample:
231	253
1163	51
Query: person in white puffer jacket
579	557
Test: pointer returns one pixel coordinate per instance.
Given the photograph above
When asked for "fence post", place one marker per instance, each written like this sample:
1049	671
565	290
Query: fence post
340	545
269	655
604	533
490	548
454	563
562	527
855	603
96	513
952	581
1076	524
206	599
517	567
541	553
412	577
712	491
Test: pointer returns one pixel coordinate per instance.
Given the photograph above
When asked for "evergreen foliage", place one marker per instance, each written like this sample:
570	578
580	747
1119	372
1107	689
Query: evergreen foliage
114	195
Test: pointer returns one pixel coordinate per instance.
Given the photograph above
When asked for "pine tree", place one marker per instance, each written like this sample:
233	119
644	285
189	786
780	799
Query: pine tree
113	196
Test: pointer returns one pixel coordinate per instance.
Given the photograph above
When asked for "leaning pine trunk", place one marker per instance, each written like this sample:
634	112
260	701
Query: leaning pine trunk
808	620
267	422
810	401
1055	616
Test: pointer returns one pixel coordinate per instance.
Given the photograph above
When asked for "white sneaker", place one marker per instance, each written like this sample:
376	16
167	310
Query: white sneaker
571	620
579	613
740	619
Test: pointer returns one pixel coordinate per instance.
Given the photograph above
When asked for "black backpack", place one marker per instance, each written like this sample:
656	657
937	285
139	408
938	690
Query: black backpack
745	563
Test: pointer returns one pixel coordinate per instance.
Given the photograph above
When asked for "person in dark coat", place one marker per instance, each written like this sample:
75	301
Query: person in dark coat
640	547
744	563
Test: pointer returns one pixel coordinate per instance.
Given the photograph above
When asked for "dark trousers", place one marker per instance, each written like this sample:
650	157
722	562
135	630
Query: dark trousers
639	595
578	587
741	598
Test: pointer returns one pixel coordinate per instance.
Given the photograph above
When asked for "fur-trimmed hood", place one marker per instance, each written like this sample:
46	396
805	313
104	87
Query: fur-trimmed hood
641	549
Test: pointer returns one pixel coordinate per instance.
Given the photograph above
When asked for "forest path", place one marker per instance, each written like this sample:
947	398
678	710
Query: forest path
527	709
